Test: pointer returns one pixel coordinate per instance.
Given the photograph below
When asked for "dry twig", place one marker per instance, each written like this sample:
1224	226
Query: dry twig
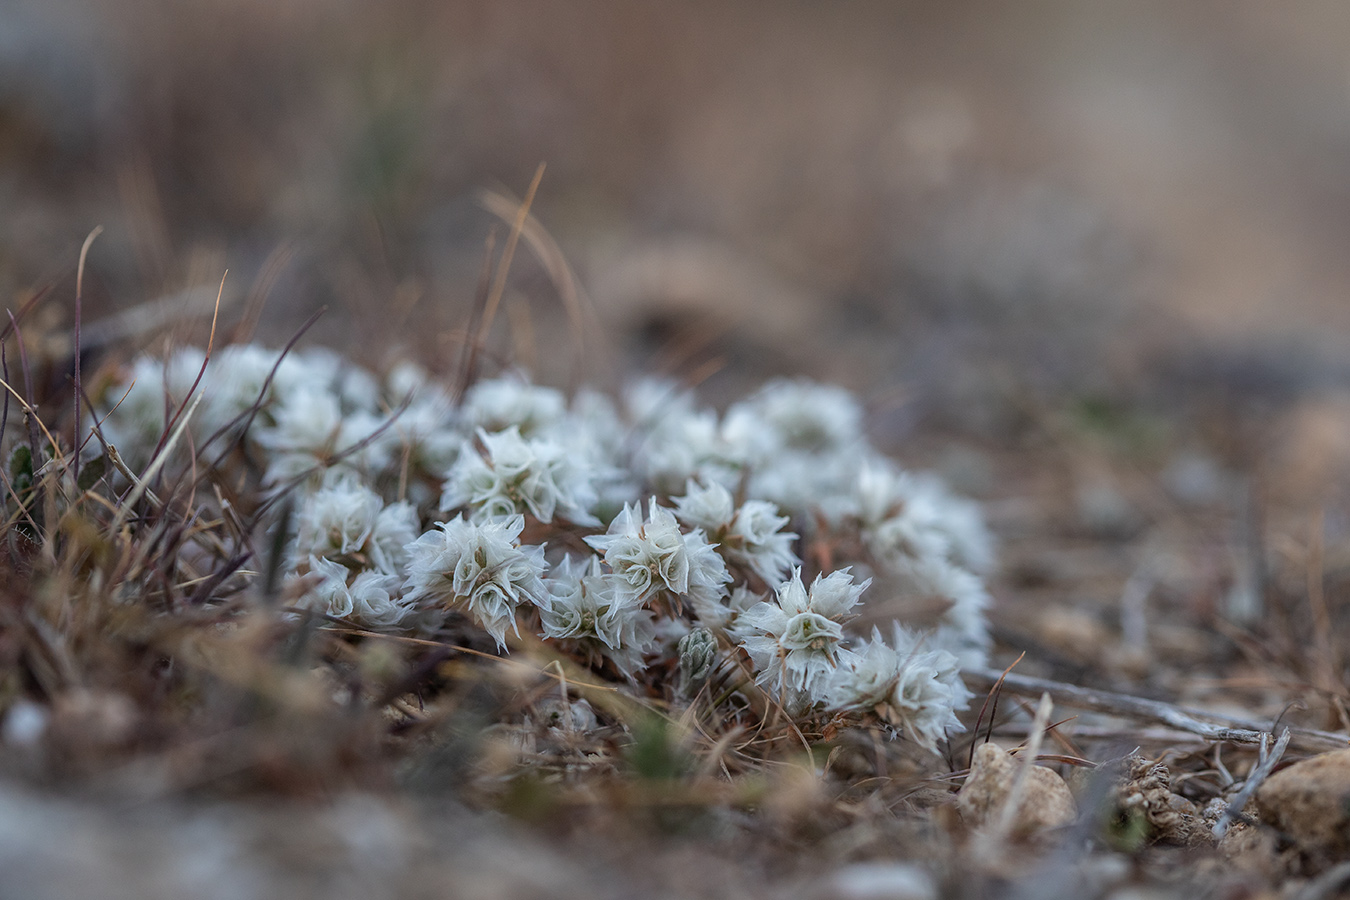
1268	760
1218	728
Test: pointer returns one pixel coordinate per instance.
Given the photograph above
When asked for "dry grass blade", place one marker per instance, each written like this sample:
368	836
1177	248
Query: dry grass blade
139	489
493	285
1003	826
79	316
581	317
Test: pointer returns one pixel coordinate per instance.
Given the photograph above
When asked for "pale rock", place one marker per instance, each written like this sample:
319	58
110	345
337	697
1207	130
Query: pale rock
882	881
1046	800
1310	802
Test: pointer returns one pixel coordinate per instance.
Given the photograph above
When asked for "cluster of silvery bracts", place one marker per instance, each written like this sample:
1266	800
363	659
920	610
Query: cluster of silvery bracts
413	506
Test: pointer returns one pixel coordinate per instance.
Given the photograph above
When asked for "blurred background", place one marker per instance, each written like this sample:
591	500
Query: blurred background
945	205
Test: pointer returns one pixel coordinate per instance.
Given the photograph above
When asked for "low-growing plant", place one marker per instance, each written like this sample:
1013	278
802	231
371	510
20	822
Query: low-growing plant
260	523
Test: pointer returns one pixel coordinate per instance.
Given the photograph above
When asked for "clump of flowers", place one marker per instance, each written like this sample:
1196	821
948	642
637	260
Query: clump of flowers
369	597
661	544
653	558
589	613
750	535
508	474
909	688
478	569
798	640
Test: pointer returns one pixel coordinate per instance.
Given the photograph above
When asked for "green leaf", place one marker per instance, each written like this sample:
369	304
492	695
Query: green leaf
656	752
21	470
91	472
21	464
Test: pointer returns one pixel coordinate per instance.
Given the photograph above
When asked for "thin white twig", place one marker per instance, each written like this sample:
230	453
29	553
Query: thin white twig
1266	762
120	465
1218	728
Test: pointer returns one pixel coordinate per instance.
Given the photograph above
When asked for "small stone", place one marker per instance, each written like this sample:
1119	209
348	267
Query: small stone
1196	479
1046	800
24	724
1310	802
94	719
882	881
1104	511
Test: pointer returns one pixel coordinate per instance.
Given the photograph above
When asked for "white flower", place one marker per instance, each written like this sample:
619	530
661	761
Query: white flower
395	529
902	544
407	377
231	384
682	447
751	535
927	541
587	609
756	538
907	517
915	691
304	434
797	415
595	421
355	388
801	442
799	639
362	443
803	483
372	598
311	432
427	434
710	508
136	423
708	575
495	404
648	400
237	374
154	390
676	442
964	628
957	519
652	555
645	555
593	434
514	475
337	520
480	569
181	370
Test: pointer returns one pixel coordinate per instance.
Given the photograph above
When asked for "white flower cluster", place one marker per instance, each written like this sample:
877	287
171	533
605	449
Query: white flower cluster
590	611
915	690
359	548
511	474
931	543
798	640
480	569
612	529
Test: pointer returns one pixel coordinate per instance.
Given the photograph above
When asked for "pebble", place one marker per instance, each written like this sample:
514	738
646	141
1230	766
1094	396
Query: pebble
882	881
1310	802
25	723
1046	800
